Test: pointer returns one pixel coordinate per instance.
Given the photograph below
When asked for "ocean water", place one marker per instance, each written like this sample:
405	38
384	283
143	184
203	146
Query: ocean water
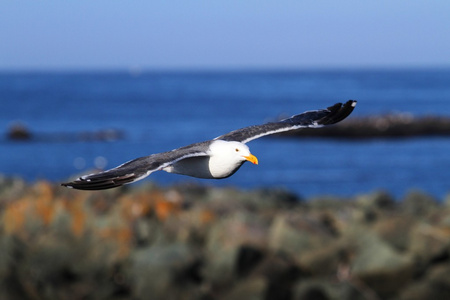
157	112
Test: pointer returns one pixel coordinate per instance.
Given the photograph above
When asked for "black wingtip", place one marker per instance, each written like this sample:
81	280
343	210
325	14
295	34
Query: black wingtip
338	112
91	186
99	183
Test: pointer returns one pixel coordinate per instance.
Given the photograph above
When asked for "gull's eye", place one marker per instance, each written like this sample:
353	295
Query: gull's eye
237	150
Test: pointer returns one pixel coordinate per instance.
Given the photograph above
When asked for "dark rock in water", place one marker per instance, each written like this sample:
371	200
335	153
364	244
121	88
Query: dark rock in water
19	132
101	135
387	126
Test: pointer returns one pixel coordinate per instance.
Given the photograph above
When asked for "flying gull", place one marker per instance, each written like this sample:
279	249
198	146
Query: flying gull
214	159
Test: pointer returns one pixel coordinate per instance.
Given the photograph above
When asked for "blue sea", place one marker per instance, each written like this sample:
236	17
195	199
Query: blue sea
160	111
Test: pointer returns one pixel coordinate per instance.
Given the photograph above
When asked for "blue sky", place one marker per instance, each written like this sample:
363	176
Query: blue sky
282	34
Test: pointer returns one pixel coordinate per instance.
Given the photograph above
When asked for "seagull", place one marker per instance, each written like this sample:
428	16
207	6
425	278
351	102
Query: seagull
214	159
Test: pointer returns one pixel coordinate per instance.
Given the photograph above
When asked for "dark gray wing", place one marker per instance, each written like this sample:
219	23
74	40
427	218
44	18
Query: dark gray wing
137	169
315	118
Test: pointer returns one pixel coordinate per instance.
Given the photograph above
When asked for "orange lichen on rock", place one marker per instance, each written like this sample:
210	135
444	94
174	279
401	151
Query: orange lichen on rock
135	206
44	203
206	217
122	236
165	204
38	205
14	217
78	215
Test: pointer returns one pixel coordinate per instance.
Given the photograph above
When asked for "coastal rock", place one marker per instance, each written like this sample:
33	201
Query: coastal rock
434	285
281	272
446	201
395	230
19	132
419	204
296	234
429	243
249	289
323	289
326	261
164	272
381	267
11	188
372	206
376	200
233	247
312	290
199	242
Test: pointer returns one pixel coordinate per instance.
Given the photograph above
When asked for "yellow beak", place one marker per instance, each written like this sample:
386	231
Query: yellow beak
251	158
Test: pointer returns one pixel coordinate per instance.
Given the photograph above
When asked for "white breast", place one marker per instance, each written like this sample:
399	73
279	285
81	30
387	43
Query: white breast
224	159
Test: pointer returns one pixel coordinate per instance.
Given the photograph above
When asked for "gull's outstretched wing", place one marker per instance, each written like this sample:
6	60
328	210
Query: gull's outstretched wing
137	169
314	118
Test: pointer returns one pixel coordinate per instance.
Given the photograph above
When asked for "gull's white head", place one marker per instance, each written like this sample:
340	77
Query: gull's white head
227	157
235	151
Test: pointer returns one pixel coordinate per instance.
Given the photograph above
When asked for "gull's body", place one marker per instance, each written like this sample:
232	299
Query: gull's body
217	164
214	159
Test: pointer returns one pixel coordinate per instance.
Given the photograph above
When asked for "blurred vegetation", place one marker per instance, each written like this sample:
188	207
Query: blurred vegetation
196	242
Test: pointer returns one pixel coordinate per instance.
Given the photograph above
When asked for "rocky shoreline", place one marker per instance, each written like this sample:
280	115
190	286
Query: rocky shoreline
198	242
